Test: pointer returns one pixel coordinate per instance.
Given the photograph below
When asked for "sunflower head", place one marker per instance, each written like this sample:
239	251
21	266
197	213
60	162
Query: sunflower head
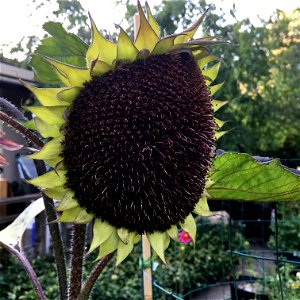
132	136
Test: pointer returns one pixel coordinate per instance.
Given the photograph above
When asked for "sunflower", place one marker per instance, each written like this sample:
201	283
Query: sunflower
131	136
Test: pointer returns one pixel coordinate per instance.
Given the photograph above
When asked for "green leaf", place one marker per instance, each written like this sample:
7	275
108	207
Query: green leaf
12	234
62	46
240	177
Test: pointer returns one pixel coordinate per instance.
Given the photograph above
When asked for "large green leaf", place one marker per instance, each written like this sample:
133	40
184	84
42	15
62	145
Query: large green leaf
241	177
62	46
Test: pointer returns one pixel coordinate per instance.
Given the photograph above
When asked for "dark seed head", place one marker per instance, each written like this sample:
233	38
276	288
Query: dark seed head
138	143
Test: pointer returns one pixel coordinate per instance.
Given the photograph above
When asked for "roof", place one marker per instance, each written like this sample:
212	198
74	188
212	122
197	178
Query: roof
12	74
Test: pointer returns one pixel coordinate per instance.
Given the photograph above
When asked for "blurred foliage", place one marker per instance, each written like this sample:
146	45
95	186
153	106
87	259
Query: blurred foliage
288	228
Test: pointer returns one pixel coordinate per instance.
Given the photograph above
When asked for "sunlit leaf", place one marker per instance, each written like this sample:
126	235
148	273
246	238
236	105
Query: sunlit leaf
241	177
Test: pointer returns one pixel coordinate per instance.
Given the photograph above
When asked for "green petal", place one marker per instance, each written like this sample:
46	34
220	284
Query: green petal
57	193
100	48
124	249
212	72
213	89
109	246
164	44
70	75
45	129
202	208
51	150
189	225
125	48
189	33
158	241
173	233
47	96
69	215
101	232
49	180
152	21
99	68
146	37
67	202
67	95
83	217
217	104
52	115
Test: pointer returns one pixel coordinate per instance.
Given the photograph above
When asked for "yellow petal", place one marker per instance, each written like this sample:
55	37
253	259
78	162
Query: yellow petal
219	122
213	89
157	242
173	233
69	215
49	180
146	37
67	95
217	104
125	48
99	68
101	232
51	150
189	225
124	249
189	33
219	134
202	208
83	217
45	129
57	193
152	21
67	202
212	72
100	48
52	115
109	246
70	75
47	96
164	44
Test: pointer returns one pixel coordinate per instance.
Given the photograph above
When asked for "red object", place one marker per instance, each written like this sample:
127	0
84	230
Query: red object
184	237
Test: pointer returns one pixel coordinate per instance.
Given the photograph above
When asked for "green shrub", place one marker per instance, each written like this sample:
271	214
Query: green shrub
188	267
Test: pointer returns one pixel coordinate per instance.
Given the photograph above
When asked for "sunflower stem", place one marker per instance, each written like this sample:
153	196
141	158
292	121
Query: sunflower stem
77	253
97	270
58	249
32	137
30	272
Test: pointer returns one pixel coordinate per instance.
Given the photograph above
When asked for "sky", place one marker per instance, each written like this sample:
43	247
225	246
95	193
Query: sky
19	18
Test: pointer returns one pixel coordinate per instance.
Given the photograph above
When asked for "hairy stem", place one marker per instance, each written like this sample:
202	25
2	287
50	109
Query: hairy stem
27	266
89	283
32	137
57	243
77	252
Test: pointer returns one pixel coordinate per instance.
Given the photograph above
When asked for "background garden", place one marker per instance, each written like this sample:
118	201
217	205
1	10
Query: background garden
261	71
